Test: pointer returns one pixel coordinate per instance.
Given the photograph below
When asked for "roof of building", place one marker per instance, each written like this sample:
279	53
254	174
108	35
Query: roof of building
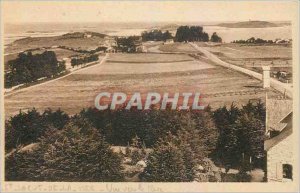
275	114
288	118
285	132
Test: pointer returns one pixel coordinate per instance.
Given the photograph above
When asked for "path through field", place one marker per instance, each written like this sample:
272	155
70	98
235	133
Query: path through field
142	73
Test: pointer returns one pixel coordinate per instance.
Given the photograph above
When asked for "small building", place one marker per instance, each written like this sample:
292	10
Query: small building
141	48
110	50
109	41
169	41
87	35
283	41
279	149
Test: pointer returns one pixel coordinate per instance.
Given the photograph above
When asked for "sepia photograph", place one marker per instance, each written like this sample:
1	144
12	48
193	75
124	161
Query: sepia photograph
149	96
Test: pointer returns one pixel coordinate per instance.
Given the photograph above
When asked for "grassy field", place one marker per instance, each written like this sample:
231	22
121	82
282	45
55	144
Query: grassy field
177	47
60	53
218	86
148	58
243	51
279	57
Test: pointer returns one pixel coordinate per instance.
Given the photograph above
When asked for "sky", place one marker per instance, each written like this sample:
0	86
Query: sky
146	11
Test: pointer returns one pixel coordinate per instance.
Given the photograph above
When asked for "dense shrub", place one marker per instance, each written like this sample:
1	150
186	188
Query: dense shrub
136	156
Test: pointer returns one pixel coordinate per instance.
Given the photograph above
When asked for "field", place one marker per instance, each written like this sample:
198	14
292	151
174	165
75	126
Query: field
237	51
149	58
279	57
140	73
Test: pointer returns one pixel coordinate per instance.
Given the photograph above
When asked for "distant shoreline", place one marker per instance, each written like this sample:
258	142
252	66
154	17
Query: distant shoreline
253	24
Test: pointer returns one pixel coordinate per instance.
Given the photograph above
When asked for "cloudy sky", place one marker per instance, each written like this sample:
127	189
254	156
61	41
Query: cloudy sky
146	11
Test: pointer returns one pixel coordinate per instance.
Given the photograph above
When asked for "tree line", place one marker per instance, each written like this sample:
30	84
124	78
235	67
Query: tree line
118	126
191	33
183	34
180	140
128	44
28	68
156	35
253	40
76	61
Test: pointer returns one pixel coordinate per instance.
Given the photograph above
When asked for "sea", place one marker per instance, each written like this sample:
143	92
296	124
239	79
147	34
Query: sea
17	31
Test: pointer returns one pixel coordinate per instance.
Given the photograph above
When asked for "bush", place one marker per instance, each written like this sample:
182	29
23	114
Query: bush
136	156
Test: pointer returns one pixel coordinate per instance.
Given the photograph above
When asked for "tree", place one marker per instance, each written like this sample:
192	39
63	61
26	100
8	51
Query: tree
27	67
167	35
183	34
215	38
241	135
72	154
205	37
156	35
23	129
191	143
191	33
165	164
26	127
58	119
127	44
